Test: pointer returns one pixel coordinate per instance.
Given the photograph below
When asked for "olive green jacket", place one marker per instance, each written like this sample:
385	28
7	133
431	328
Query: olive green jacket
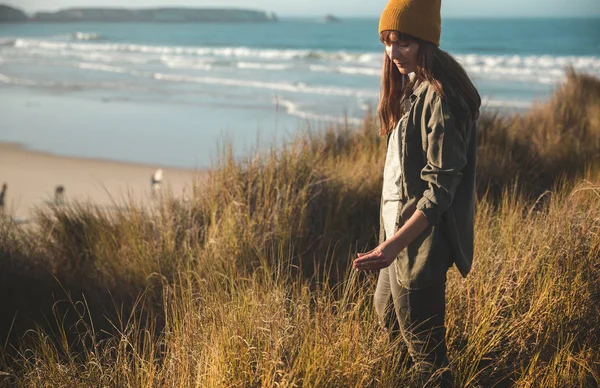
438	161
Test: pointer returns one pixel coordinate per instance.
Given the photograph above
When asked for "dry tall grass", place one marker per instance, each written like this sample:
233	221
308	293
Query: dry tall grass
249	285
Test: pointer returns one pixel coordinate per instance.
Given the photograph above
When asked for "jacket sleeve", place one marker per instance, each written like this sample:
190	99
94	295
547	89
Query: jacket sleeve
446	156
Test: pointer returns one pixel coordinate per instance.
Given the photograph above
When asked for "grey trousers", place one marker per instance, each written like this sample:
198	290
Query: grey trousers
417	316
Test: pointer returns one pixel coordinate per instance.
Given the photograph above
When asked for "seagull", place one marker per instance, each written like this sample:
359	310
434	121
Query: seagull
59	195
155	182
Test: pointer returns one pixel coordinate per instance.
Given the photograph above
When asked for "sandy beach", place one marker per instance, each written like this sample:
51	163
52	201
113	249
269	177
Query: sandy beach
33	176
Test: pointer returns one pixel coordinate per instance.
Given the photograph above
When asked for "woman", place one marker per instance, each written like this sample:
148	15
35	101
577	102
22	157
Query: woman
427	112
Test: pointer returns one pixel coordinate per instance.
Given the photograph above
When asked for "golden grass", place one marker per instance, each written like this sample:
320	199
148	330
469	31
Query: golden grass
249	285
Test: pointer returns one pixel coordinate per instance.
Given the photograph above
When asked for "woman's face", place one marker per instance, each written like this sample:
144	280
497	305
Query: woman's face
402	53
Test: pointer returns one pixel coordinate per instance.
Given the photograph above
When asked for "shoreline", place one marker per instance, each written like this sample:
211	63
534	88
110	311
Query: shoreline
32	177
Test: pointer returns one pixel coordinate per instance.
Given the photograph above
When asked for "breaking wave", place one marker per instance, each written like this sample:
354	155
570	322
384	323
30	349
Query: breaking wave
545	69
85	36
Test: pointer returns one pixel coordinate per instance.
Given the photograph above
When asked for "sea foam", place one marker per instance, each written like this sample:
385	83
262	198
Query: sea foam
527	68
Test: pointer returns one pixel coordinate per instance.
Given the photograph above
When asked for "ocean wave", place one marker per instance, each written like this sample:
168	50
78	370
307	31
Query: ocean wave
293	110
360	71
526	68
97	56
105	68
180	62
77	37
177	62
198	61
229	52
368	71
278	86
263	66
85	36
4	78
23	82
529	61
369	58
298	87
8	42
543	69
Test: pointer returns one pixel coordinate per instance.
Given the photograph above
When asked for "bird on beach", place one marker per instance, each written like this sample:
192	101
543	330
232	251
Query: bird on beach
59	195
155	182
2	196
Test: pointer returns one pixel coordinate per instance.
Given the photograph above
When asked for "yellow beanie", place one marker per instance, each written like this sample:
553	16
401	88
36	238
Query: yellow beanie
419	18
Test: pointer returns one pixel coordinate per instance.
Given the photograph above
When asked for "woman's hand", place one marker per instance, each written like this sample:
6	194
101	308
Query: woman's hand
386	252
374	260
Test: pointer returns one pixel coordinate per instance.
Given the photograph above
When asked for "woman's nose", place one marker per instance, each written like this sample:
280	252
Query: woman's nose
394	52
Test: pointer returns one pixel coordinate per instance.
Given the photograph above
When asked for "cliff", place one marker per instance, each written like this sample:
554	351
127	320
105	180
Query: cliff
174	15
9	14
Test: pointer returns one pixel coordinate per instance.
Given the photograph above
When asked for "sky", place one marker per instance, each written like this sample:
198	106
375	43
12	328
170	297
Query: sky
346	8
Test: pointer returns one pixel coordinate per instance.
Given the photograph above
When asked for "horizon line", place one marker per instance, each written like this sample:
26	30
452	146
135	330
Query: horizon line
320	15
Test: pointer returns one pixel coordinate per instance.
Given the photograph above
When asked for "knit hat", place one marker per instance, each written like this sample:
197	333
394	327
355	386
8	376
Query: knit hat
419	18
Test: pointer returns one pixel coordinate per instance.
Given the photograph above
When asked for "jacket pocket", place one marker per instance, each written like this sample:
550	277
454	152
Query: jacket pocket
425	261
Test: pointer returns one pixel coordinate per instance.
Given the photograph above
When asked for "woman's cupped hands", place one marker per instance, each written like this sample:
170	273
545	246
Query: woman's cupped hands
374	260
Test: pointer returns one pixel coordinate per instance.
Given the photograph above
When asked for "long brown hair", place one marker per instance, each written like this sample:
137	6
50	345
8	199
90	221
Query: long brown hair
440	69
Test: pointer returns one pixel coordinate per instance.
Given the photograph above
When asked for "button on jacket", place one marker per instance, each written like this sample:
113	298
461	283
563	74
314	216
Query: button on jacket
438	161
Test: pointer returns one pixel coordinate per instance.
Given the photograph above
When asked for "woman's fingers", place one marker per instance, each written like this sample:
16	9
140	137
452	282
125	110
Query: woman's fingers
364	259
370	266
369	261
366	253
373	260
368	257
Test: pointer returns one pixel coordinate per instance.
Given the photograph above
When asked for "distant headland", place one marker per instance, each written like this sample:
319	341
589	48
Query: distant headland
9	14
163	15
331	19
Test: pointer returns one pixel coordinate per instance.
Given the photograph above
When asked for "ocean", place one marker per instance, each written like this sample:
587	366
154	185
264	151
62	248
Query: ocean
173	94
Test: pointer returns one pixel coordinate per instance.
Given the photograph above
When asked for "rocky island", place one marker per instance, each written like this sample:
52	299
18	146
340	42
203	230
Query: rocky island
331	19
163	15
9	14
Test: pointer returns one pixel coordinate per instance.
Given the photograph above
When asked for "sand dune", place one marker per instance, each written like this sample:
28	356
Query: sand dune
33	176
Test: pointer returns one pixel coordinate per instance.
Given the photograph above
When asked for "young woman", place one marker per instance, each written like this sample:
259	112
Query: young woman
427	113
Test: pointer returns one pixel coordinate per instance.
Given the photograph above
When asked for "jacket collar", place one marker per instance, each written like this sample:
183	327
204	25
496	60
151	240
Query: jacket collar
420	89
